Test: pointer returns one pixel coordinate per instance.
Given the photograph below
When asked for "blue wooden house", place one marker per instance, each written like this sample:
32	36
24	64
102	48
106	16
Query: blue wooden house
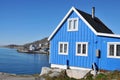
82	39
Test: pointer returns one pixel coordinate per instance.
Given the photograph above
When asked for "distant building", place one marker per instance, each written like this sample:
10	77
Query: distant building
46	44
31	48
40	45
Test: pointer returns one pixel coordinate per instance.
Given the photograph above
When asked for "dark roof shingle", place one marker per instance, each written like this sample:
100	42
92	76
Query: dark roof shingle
96	23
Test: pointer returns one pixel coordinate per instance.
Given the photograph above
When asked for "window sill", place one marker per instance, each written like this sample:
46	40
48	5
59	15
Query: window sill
63	53
71	30
81	54
113	57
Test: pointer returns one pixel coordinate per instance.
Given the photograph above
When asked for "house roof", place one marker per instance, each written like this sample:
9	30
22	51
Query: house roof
95	24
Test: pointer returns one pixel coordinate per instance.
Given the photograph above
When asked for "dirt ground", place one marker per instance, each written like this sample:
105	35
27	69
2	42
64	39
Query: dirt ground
4	76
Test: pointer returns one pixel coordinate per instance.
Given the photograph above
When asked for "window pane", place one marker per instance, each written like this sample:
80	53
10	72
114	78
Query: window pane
70	24
84	49
61	48
118	50
111	50
79	48
75	24
65	48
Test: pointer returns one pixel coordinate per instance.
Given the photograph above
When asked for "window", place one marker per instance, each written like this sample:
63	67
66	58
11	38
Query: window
111	53
63	48
81	48
73	24
118	50
114	49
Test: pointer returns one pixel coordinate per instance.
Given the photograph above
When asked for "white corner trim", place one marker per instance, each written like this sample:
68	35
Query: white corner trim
65	67
79	68
58	66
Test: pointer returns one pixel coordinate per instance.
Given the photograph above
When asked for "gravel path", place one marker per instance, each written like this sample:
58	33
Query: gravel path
4	76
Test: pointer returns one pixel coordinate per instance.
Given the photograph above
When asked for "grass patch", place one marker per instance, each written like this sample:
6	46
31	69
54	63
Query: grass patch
114	75
101	76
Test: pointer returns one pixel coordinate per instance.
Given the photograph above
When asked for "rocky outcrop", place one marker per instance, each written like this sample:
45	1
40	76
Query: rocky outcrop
51	72
77	74
71	73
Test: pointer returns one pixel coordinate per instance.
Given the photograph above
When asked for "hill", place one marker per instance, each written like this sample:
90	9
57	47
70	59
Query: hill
32	47
39	43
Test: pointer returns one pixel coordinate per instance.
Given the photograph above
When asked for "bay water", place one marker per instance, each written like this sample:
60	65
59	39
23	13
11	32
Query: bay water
22	63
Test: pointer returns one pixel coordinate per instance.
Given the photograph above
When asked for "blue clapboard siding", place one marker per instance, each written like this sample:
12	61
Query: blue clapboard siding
104	62
84	34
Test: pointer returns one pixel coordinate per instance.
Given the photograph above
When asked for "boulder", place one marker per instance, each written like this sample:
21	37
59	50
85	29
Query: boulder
77	74
51	72
54	74
45	70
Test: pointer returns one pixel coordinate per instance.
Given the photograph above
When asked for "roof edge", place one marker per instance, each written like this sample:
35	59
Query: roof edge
84	20
60	23
75	10
108	35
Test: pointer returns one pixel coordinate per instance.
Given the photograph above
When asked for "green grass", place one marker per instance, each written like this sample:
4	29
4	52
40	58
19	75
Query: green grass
115	75
101	76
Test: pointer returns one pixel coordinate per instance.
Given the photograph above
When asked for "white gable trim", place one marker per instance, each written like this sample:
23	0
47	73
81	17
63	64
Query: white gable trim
69	12
60	24
108	35
84	20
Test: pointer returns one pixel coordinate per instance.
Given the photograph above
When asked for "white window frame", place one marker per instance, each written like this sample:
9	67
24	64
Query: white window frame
63	53
115	49
72	23
81	54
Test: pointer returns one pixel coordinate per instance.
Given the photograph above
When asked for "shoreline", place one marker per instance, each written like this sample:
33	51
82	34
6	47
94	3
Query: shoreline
19	50
31	52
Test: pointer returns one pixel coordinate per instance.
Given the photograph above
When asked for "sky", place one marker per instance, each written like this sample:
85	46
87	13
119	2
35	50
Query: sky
24	21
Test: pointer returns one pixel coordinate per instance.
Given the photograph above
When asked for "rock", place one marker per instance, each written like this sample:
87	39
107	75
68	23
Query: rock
41	78
94	72
1	73
77	74
51	72
57	70
45	70
72	73
54	74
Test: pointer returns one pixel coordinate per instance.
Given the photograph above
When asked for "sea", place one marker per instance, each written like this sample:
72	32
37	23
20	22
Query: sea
14	62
